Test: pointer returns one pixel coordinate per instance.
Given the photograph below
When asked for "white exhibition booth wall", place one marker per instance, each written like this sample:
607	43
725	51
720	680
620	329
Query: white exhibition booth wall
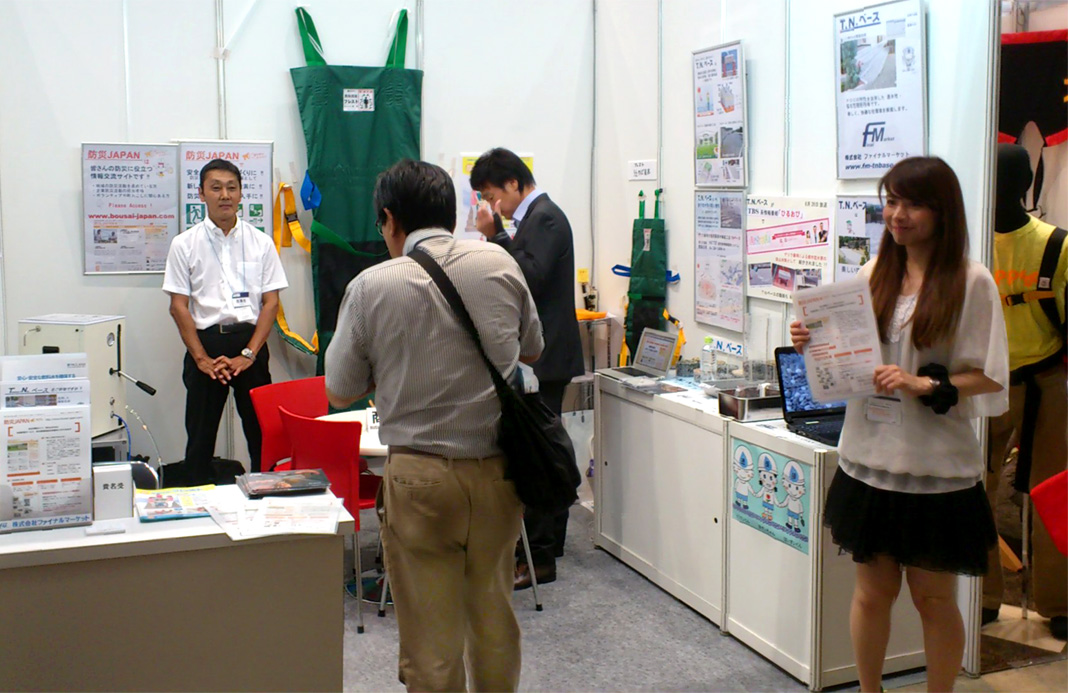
789	56
574	82
518	75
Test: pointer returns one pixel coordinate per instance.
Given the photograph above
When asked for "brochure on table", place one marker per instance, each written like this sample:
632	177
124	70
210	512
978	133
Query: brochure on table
129	206
255	159
719	116
45	458
858	229
880	88
787	245
718	224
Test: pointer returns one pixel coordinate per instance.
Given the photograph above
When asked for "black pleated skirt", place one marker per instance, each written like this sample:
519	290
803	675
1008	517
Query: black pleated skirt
944	532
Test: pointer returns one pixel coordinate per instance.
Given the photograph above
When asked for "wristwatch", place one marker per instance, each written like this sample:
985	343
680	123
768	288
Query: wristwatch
249	354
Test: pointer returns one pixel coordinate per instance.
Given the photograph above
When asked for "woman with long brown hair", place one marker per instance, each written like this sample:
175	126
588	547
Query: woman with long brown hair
907	496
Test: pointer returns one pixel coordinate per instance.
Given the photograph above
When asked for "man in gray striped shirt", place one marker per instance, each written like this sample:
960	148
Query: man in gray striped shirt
451	518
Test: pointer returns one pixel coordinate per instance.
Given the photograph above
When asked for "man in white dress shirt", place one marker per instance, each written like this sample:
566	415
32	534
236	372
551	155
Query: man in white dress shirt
223	276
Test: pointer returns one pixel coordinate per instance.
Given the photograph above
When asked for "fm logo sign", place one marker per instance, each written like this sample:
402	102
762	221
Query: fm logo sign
875	132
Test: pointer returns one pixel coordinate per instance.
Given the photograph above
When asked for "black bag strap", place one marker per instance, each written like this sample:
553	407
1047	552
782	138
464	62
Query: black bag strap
448	290
1046	270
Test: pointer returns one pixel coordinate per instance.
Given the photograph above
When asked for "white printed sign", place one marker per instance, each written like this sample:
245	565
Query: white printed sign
358	100
879	87
719	116
129	206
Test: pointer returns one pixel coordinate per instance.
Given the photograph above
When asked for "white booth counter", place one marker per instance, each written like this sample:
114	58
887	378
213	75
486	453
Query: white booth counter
680	498
658	487
788	587
173	605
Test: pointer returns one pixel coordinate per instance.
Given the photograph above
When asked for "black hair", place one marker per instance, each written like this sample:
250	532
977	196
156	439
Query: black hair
498	166
219	165
418	195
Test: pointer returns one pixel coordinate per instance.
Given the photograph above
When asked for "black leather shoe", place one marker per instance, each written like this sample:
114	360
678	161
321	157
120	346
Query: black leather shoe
1058	625
545	574
989	615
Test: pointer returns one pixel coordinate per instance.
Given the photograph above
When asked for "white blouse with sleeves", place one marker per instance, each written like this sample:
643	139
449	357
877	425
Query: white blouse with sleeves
928	452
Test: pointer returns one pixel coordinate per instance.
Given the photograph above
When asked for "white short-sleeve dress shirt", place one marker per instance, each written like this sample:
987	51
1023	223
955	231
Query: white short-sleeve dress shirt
214	269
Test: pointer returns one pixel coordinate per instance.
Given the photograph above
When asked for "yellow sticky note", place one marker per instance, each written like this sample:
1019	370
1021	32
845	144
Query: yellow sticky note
583	275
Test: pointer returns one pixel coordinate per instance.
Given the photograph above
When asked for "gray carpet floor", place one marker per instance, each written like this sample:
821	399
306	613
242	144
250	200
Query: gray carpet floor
604	628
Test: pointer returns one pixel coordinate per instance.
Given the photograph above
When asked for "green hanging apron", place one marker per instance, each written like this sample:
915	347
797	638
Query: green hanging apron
647	293
357	122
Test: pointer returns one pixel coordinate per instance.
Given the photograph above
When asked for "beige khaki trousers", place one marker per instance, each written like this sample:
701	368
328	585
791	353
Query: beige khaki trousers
449	533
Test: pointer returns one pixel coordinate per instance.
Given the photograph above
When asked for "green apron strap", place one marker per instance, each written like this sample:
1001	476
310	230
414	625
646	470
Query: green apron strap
313	50
327	236
641	204
656	206
399	44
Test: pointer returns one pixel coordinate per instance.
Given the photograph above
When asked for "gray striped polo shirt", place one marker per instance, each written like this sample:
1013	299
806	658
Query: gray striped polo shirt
396	333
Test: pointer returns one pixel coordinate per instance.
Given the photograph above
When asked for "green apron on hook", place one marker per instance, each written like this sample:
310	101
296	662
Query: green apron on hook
357	122
647	293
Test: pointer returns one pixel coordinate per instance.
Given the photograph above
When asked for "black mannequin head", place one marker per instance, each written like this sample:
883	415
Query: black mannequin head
1014	180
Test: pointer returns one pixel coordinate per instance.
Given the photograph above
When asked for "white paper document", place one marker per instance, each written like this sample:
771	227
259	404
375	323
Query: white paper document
844	348
277	515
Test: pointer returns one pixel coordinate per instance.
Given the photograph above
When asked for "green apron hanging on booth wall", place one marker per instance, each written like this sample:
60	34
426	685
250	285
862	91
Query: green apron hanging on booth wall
649	276
357	122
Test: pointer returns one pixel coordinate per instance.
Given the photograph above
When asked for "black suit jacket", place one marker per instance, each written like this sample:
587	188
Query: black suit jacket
544	250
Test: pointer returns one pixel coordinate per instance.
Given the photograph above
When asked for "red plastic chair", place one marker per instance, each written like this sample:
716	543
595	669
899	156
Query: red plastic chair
306	396
334	447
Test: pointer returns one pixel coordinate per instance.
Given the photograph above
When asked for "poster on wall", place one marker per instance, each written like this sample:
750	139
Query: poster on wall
770	494
465	223
880	89
719	116
787	245
720	272
858	229
129	206
255	161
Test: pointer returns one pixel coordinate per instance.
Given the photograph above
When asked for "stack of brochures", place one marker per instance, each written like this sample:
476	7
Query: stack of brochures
172	503
294	482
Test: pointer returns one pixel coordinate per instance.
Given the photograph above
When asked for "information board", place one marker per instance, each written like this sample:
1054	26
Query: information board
129	206
880	87
720	138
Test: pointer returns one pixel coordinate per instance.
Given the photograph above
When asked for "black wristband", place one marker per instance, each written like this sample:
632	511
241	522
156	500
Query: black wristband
945	394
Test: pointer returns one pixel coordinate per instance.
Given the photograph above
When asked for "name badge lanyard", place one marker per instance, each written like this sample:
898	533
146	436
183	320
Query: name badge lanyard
236	296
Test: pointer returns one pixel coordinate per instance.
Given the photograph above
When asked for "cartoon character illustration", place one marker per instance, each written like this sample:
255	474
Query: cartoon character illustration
769	475
793	480
743	472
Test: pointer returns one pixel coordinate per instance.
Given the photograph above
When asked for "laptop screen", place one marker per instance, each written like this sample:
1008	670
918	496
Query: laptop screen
655	350
796	394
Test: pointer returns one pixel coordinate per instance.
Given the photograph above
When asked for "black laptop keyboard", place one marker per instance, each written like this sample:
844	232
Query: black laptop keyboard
824	431
627	370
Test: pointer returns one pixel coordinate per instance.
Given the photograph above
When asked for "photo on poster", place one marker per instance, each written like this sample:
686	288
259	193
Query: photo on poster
859	228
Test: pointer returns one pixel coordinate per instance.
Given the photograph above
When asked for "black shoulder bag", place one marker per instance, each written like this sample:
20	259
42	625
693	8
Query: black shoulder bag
541	459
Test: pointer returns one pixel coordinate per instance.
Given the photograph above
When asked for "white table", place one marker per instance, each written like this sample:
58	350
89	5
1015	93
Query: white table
370	445
171	605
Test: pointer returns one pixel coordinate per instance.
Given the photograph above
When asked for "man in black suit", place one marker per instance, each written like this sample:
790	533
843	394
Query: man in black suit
544	250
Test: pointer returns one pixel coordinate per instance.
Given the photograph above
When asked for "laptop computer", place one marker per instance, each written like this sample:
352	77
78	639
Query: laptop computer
803	414
652	359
